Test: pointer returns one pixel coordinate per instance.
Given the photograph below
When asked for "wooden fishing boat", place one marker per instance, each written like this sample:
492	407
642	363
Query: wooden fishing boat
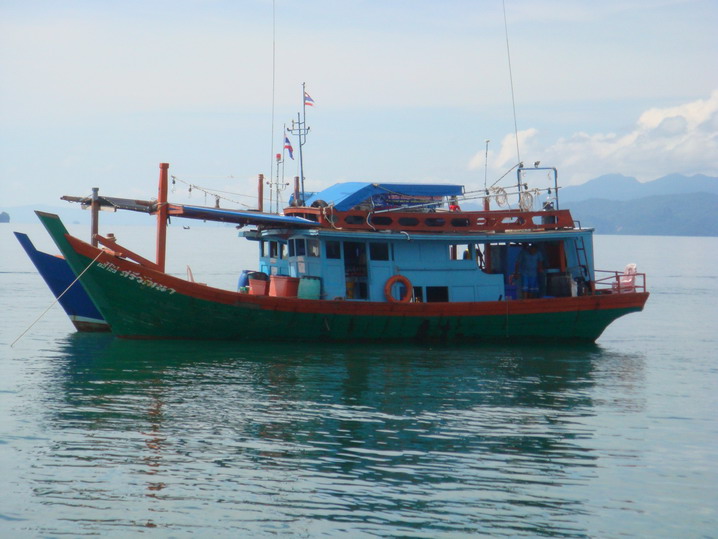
367	261
59	278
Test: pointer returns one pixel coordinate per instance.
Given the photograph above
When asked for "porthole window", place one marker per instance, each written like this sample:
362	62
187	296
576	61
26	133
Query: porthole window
381	221
354	220
408	221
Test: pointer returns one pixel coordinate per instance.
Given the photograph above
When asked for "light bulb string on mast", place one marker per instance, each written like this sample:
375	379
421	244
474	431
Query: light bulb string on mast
219	194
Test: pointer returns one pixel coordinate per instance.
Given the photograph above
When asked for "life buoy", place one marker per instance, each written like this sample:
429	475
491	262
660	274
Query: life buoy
408	289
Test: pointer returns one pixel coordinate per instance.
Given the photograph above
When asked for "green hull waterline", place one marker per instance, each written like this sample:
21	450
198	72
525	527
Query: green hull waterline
137	311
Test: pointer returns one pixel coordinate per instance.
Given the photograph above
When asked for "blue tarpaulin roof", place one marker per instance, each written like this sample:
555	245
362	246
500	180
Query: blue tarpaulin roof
344	196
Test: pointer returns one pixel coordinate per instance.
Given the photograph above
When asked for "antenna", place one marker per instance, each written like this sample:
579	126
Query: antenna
300	129
486	163
277	183
511	79
274	70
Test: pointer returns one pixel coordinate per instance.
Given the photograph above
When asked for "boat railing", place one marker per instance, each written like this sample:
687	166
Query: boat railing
471	221
619	282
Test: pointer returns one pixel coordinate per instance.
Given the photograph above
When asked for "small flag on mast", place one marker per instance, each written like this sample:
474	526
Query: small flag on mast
288	146
308	100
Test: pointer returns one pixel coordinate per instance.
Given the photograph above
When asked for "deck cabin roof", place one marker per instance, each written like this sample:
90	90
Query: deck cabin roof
519	236
345	196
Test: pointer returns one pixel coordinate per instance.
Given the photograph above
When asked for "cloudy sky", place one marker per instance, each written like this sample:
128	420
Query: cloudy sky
96	93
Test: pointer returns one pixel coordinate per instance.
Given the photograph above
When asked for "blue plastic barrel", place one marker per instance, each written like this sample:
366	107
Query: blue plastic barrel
243	279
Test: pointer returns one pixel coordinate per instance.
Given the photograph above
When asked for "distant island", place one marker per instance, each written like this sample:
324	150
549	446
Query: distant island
4	217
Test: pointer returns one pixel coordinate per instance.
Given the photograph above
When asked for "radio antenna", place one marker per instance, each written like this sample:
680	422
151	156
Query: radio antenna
511	79
486	163
274	76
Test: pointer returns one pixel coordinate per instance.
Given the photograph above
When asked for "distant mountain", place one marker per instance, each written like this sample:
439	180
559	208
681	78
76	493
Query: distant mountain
620	187
674	205
692	214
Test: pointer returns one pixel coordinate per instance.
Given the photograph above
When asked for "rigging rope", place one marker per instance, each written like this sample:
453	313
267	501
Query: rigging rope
57	299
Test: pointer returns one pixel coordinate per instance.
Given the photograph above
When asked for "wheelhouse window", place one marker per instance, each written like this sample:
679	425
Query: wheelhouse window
334	249
313	247
276	249
459	251
437	294
379	251
297	247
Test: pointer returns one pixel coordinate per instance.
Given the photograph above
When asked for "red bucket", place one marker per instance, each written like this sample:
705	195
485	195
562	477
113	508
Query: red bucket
258	287
283	286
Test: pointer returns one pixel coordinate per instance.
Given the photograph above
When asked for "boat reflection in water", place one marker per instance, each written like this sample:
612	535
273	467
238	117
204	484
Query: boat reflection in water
256	439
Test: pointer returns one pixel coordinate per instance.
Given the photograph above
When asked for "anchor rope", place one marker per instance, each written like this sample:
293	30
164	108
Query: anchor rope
56	299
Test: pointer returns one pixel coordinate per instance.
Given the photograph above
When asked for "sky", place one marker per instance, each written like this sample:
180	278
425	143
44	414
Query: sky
96	93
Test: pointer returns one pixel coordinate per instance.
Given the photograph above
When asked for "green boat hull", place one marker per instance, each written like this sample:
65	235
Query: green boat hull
142	303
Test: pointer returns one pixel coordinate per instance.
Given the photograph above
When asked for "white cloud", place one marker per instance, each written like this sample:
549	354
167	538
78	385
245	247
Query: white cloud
682	139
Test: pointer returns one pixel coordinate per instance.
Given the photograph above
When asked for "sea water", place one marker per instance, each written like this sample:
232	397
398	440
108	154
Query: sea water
100	436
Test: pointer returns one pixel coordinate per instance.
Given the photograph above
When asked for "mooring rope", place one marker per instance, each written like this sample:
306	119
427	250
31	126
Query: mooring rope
56	299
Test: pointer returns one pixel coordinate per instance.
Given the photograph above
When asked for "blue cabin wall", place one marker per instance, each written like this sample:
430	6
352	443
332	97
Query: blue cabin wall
436	266
429	264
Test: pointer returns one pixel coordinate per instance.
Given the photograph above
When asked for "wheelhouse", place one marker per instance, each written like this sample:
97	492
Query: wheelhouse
440	268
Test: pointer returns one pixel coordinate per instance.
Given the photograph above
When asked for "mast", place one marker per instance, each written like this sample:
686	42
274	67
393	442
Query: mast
276	182
162	215
300	129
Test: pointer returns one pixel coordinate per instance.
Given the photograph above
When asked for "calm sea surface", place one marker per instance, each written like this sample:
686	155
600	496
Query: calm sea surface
115	438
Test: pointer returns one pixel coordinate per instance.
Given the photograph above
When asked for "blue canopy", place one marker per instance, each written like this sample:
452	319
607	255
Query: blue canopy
344	196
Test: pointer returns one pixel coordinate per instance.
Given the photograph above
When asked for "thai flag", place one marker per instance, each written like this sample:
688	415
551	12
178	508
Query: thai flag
308	100
288	146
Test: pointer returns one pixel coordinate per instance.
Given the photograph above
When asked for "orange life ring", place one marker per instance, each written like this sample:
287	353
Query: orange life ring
409	289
